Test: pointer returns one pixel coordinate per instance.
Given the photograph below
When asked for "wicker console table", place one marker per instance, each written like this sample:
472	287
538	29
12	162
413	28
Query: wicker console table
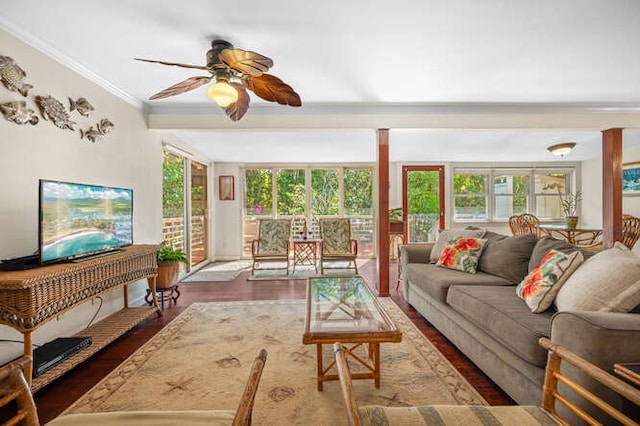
30	298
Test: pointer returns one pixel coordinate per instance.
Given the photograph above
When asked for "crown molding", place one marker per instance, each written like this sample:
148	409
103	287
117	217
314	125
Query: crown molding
402	108
45	48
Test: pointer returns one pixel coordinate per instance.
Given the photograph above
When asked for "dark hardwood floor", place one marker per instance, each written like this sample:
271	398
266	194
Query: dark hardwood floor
53	399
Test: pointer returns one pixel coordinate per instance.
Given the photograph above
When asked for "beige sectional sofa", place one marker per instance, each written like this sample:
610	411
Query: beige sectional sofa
483	316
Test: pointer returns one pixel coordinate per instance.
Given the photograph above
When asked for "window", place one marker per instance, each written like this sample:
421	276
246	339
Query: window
470	195
290	197
325	197
310	193
513	191
511	195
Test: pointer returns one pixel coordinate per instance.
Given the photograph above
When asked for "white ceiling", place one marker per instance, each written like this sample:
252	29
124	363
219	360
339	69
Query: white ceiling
450	53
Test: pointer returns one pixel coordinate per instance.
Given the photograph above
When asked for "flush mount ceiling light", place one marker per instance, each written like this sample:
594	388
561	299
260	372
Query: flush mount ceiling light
233	71
561	149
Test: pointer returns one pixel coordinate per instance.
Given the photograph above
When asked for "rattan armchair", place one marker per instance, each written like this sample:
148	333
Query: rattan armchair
240	417
553	396
16	401
525	223
337	244
272	245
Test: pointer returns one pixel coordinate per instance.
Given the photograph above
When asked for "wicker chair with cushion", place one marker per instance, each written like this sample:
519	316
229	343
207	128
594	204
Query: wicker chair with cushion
337	244
16	402
525	223
240	417
553	397
272	245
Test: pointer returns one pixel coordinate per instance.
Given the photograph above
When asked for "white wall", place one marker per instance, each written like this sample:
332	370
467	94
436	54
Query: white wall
129	157
227	215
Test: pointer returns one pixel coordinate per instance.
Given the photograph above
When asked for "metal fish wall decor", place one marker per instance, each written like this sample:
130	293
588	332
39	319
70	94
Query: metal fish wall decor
18	112
52	109
12	75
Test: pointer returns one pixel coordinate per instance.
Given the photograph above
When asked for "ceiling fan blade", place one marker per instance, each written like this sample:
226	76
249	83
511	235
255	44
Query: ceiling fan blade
198	67
184	86
245	61
272	89
238	109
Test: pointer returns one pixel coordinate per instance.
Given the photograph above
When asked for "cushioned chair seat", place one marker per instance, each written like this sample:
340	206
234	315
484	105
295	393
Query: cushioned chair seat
467	415
440	279
500	312
155	418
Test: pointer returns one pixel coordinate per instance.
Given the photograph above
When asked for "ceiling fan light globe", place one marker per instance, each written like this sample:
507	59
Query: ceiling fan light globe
222	93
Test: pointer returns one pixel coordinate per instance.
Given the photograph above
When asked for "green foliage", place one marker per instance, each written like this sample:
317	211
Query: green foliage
423	188
395	214
570	203
168	254
324	192
358	198
290	196
172	185
258	187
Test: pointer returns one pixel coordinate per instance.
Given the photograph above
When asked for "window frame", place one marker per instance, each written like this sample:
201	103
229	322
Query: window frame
491	173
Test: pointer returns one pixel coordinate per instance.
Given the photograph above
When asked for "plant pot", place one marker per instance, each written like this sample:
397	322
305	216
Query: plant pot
572	222
396	227
167	274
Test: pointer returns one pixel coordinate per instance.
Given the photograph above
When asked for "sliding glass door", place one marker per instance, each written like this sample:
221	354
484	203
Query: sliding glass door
184	207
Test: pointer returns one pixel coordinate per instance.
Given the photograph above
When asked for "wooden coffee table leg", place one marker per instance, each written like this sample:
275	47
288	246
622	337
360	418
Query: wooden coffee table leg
320	366
375	354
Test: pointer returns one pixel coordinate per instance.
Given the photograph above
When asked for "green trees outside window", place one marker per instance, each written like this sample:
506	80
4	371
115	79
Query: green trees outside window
258	192
290	196
358	189
325	196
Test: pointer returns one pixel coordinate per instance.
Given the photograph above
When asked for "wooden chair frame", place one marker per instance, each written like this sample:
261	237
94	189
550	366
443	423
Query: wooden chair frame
525	223
550	393
630	230
14	388
258	257
350	257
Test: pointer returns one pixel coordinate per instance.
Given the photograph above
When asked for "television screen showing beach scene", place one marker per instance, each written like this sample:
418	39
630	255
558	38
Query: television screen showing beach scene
78	219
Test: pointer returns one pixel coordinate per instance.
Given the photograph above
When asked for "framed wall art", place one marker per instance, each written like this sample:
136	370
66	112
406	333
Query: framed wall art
631	178
225	188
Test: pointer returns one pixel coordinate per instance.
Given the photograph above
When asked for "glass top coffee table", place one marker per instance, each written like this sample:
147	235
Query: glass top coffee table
343	309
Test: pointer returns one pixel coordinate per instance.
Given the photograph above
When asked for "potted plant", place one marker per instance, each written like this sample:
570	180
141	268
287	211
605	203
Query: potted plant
169	259
396	225
570	208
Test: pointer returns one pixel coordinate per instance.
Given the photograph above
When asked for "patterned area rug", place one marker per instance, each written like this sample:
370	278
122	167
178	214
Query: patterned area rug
219	271
301	272
202	358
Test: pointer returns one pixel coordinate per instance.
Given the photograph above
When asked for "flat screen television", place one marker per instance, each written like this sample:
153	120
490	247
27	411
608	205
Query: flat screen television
78	220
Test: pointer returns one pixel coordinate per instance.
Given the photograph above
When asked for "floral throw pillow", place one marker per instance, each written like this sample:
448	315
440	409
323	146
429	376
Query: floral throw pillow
539	288
462	254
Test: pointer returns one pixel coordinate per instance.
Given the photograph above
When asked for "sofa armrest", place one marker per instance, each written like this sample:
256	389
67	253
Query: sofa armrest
412	253
415	253
603	338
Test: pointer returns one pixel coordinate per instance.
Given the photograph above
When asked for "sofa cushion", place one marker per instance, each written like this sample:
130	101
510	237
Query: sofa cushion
462	254
546	244
507	256
447	236
539	288
435	281
608	282
503	315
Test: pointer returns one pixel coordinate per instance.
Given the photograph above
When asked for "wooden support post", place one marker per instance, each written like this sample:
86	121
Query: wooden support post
383	212
611	186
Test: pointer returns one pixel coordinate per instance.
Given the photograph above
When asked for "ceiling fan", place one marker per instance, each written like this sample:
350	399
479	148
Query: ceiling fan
232	72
